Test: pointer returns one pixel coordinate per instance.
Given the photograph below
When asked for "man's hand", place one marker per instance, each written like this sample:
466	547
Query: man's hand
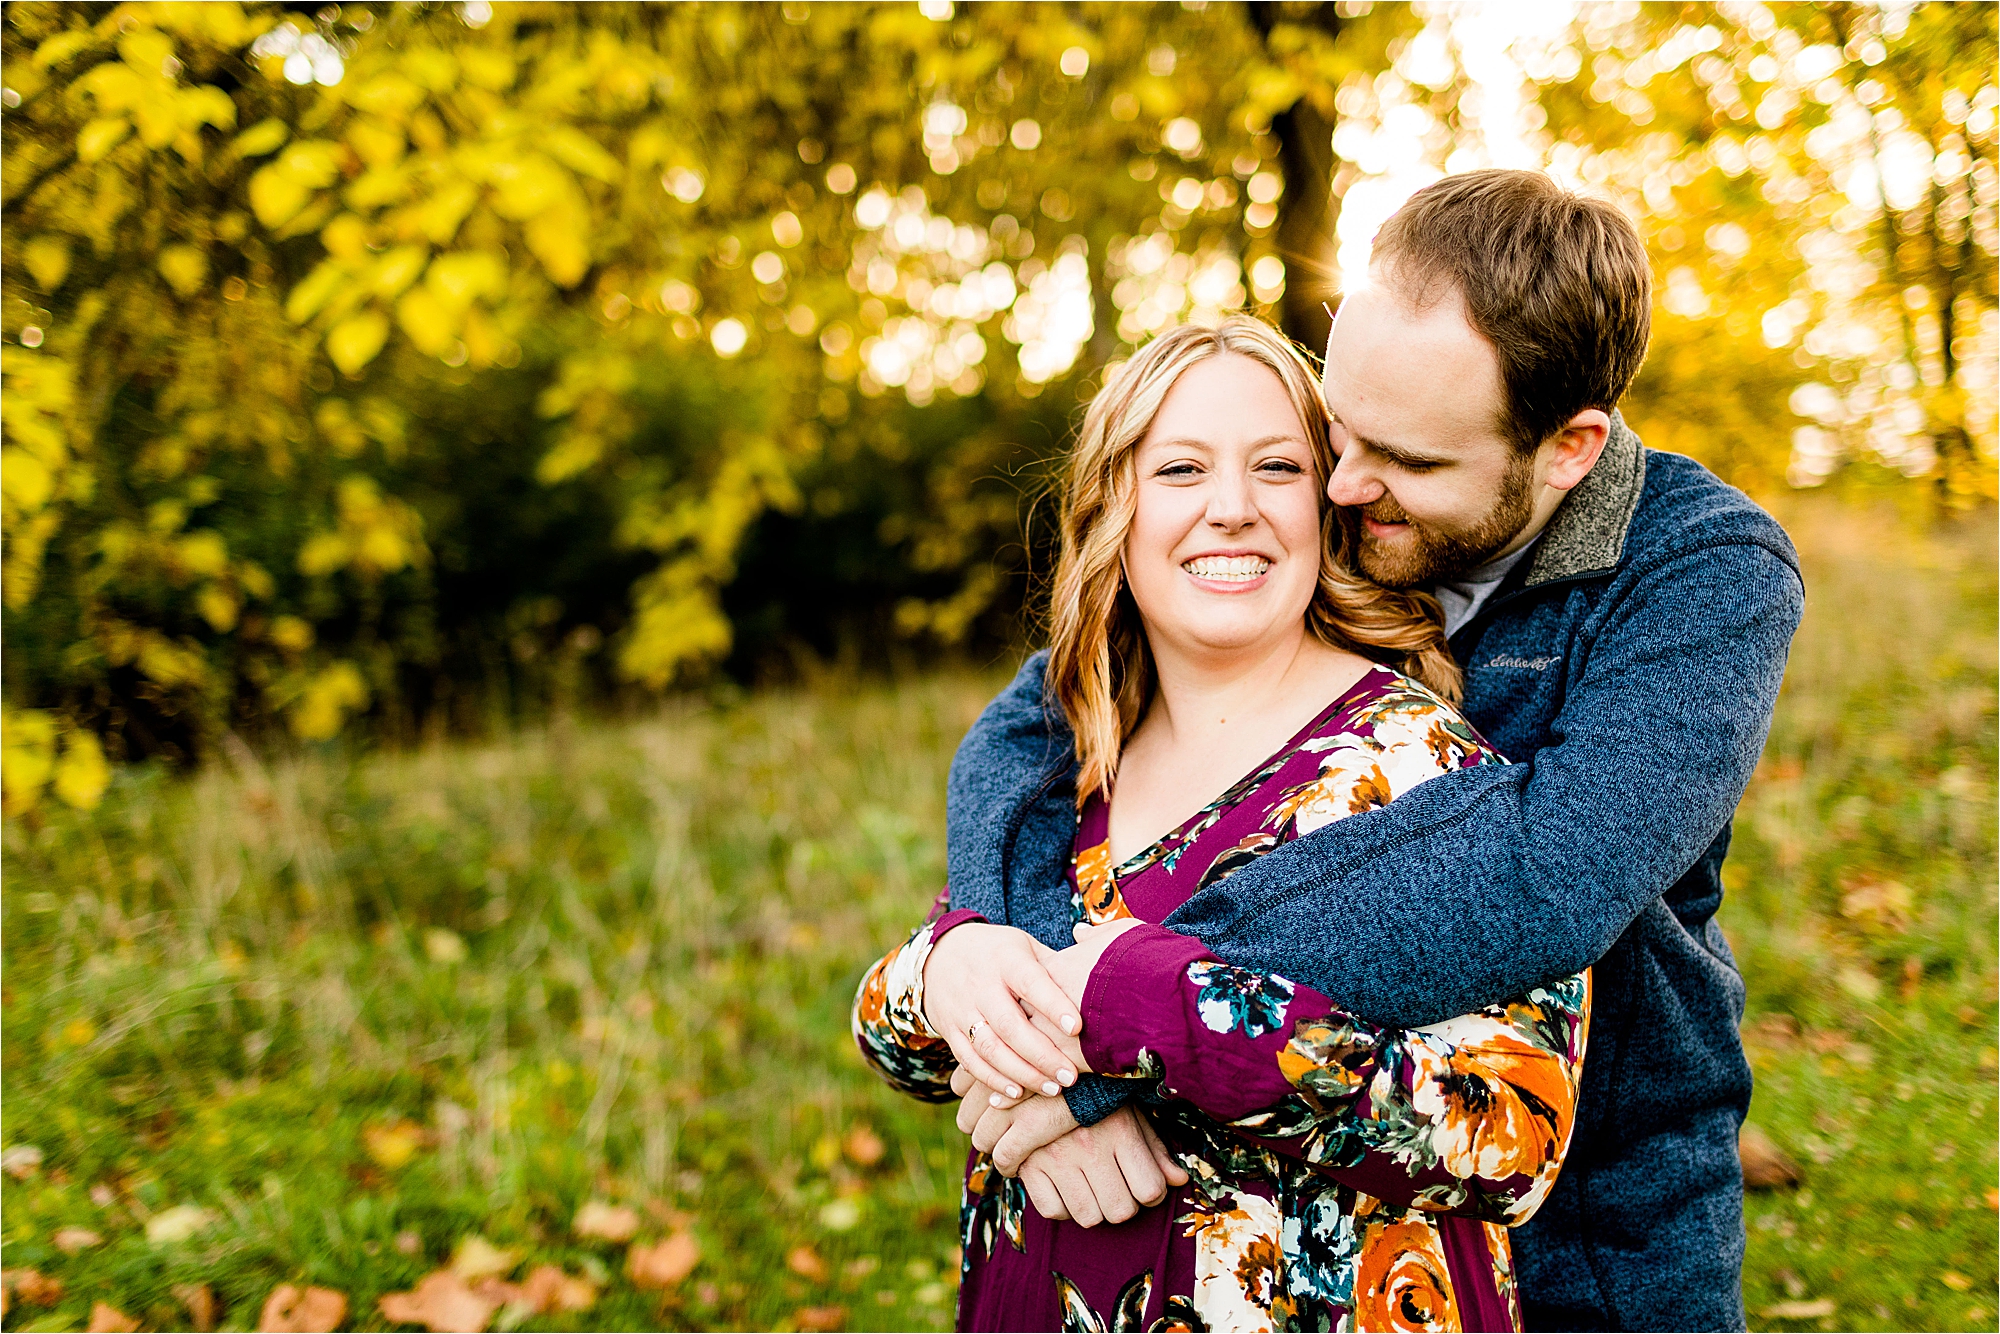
978	982
1089	1174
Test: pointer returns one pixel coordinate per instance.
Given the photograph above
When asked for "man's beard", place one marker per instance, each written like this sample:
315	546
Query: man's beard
1428	554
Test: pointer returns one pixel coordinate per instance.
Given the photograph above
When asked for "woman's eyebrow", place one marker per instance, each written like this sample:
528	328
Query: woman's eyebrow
1191	442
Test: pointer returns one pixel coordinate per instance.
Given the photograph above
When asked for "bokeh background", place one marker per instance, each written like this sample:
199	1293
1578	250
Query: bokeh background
508	509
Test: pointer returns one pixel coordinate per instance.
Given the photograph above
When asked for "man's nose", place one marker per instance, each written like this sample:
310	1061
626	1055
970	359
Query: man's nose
1352	483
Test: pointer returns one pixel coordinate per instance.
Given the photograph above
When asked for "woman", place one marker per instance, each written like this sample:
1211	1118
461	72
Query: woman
1206	640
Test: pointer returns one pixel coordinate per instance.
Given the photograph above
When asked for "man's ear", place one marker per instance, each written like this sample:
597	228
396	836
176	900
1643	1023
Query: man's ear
1573	451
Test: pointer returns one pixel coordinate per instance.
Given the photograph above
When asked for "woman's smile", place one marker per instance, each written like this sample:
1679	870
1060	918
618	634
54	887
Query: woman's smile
1228	572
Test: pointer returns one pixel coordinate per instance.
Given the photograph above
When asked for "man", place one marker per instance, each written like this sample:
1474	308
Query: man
1623	619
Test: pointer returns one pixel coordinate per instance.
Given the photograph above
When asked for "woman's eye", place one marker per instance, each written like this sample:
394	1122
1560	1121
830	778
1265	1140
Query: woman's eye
1177	470
1280	467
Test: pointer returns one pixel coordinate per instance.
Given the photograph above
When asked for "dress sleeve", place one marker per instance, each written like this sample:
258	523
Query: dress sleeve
1472	1115
888	1020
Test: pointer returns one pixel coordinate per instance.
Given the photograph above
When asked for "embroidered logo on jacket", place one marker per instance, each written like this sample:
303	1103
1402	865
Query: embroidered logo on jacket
1520	664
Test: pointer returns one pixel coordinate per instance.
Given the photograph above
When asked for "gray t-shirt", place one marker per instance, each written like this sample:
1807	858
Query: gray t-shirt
1462	597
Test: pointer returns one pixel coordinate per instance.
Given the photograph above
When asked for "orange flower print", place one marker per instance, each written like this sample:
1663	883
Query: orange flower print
873	1001
1500	1106
1401	1283
1097	888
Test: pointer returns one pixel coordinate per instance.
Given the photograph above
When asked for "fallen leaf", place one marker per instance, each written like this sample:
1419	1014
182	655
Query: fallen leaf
1812	1310
606	1222
440	1303
839	1215
665	1263
1993	1198
105	1319
819	1319
199	1299
392	1146
1955	1281
548	1288
863	1146
293	1310
1765	1166
478	1258
21	1161
805	1262
177	1224
70	1240
103	1196
31	1287
408	1243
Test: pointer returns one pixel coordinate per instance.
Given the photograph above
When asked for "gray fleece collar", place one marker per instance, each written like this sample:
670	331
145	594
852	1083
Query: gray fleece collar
1586	535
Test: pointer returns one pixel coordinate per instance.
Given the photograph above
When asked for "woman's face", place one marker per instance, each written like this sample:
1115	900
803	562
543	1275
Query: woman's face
1224	551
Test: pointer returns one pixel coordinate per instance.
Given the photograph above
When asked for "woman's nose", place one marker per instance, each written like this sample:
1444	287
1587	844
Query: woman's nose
1352	483
1230	506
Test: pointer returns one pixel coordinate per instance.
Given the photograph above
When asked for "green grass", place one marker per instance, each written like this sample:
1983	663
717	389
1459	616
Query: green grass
614	961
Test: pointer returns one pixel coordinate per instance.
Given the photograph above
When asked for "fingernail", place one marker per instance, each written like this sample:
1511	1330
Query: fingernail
1067	1076
1068	1023
1013	1090
994	1100
1050	1088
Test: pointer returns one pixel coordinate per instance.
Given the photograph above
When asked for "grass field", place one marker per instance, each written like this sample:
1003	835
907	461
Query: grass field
358	1009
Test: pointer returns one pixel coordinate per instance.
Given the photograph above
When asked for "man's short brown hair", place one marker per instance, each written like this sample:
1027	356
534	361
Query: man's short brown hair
1557	282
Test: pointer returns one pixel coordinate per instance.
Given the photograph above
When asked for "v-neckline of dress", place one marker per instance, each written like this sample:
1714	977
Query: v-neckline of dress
1153	851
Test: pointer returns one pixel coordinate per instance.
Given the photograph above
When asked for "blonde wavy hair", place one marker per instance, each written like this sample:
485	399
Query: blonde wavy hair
1100	668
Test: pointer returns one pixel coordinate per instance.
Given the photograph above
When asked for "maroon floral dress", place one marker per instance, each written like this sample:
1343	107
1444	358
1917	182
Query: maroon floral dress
1341	1175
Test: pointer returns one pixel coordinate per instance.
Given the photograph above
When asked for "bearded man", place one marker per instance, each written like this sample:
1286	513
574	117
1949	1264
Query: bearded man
1623	619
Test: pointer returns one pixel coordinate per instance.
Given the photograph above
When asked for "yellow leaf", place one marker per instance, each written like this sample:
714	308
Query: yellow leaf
144	49
478	1258
431	325
25	483
556	240
441	214
27	757
346	237
47	258
354	342
98	137
203	553
276	196
398	269
314	291
62	46
82	773
579	152
217	606
327	699
266	136
375	143
185	268
322	554
486	67
393	1145
291	634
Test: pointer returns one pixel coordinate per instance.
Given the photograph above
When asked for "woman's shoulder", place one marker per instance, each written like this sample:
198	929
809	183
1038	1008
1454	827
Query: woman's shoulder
1393	716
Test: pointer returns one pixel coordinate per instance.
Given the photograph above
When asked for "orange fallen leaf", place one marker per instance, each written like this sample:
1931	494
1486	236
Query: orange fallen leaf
805	1262
31	1287
1955	1281
293	1310
199	1299
606	1222
664	1263
819	1319
394	1144
441	1303
548	1288
70	1240
106	1319
1992	1198
864	1146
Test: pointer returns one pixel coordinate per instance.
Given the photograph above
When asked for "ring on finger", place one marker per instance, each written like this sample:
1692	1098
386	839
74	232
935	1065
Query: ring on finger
972	1029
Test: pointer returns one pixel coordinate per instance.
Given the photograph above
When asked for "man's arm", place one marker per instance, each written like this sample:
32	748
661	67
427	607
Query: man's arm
1483	883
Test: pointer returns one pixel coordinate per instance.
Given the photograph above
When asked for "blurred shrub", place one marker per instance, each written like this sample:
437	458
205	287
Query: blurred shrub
412	362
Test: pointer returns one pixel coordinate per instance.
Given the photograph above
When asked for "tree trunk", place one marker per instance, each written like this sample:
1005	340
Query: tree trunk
1307	211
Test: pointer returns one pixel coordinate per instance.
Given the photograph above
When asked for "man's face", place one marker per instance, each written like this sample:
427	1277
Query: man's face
1417	402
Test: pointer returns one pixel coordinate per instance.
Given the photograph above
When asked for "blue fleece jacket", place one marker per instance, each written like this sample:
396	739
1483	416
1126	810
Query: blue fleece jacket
1629	669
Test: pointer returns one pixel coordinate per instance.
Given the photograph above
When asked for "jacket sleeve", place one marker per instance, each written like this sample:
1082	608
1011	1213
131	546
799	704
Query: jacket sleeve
1470	1116
1487	882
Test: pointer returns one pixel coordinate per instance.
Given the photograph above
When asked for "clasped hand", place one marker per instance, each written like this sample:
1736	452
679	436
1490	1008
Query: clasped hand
1010	1008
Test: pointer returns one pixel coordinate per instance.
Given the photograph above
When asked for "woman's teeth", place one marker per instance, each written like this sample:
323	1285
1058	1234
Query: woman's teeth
1240	569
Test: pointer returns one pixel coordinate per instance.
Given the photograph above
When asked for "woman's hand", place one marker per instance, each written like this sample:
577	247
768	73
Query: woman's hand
979	984
1071	967
1088	1174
